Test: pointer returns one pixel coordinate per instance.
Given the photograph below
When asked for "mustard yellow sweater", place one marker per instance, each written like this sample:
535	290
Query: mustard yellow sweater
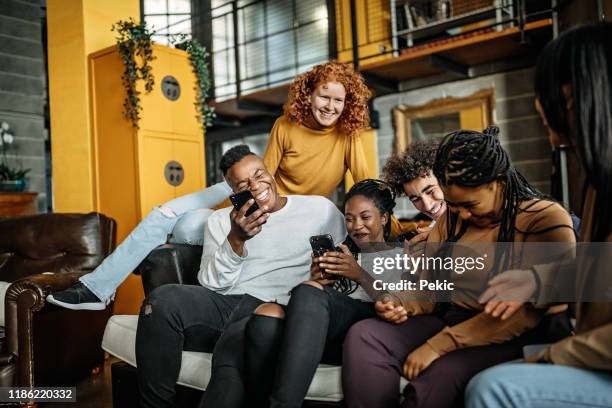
311	160
307	159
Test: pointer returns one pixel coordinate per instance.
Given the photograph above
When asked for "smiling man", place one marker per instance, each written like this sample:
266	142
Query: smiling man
245	261
411	174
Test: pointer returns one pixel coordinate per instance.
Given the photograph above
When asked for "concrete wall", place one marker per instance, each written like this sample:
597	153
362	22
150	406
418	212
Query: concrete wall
22	88
522	133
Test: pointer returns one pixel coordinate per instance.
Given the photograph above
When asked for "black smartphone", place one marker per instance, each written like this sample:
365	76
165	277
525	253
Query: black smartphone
321	244
239	200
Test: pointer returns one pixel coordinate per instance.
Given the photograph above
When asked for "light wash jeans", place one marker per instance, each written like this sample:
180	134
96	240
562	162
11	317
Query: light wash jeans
539	385
152	231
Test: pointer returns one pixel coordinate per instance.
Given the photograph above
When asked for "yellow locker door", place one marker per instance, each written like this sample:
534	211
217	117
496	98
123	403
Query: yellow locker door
189	154
155	106
154	153
183	114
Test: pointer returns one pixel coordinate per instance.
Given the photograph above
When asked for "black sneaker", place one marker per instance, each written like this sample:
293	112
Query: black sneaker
77	297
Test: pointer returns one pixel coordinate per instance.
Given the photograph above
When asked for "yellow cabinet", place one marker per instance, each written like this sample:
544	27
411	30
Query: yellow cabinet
129	163
134	168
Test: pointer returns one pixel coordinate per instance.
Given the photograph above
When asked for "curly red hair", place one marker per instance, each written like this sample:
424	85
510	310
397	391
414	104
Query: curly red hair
354	117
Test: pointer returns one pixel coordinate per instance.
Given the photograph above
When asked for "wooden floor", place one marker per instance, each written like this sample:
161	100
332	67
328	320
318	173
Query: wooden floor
92	392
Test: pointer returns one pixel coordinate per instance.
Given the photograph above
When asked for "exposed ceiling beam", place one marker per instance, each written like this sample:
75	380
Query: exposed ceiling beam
449	65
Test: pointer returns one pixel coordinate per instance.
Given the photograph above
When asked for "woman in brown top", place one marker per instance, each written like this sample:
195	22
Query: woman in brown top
436	344
574	98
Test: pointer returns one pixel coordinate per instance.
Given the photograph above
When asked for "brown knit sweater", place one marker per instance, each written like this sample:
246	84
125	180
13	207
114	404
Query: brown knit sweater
536	221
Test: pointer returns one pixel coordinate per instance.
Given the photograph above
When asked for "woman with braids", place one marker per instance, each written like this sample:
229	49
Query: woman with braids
439	343
284	345
309	151
574	98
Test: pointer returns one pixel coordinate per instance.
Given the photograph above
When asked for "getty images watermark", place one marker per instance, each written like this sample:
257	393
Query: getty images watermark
467	269
418	263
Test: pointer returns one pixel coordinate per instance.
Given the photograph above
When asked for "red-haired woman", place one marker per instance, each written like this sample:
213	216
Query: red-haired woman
317	139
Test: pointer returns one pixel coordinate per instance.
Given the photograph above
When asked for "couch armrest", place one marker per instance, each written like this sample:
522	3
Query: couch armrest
170	263
24	301
6	358
38	287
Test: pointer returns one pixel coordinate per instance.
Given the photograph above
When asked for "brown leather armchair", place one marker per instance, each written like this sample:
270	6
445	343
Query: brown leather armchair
45	344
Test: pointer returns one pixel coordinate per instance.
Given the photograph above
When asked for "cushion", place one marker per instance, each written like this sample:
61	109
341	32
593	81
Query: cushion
189	229
120	341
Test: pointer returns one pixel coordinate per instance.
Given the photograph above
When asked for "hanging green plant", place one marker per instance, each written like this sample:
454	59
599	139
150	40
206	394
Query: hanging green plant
199	63
134	44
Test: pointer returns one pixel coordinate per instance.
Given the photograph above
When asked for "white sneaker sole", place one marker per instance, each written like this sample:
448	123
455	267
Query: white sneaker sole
77	306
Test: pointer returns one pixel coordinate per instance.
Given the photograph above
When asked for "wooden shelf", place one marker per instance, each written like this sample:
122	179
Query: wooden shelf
465	51
267	102
17	204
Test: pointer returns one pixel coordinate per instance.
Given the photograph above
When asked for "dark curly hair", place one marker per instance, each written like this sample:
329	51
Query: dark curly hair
355	116
416	161
233	156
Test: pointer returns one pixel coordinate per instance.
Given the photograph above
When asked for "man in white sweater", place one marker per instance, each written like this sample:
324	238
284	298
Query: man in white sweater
245	261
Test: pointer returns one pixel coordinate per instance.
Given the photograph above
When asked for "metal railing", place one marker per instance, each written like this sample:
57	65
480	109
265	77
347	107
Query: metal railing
259	44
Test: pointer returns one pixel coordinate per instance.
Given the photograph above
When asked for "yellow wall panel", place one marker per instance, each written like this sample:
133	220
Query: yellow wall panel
189	153
184	117
114	146
368	138
74	29
156	152
157	107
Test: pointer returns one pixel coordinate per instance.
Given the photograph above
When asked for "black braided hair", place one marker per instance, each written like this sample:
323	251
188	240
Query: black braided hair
384	199
470	159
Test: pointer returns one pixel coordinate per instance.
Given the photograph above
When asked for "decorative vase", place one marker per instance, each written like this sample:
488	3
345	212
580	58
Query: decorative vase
12	185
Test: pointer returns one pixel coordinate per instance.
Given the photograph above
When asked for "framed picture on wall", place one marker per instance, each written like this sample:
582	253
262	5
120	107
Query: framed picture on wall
440	117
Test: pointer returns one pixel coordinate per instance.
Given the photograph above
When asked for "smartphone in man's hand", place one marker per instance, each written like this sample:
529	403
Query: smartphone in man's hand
240	199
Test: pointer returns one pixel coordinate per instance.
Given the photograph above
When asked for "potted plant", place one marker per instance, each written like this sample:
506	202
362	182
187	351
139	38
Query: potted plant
11	178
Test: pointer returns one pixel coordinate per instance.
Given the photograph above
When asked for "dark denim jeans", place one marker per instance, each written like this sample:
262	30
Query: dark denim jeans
174	318
270	361
316	324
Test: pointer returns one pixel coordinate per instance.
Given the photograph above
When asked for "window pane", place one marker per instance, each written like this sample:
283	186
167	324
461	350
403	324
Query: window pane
224	67
280	15
154	7
179	6
281	50
312	43
180	24
157	23
219	3
311	10
282	76
223	34
252	59
251	22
